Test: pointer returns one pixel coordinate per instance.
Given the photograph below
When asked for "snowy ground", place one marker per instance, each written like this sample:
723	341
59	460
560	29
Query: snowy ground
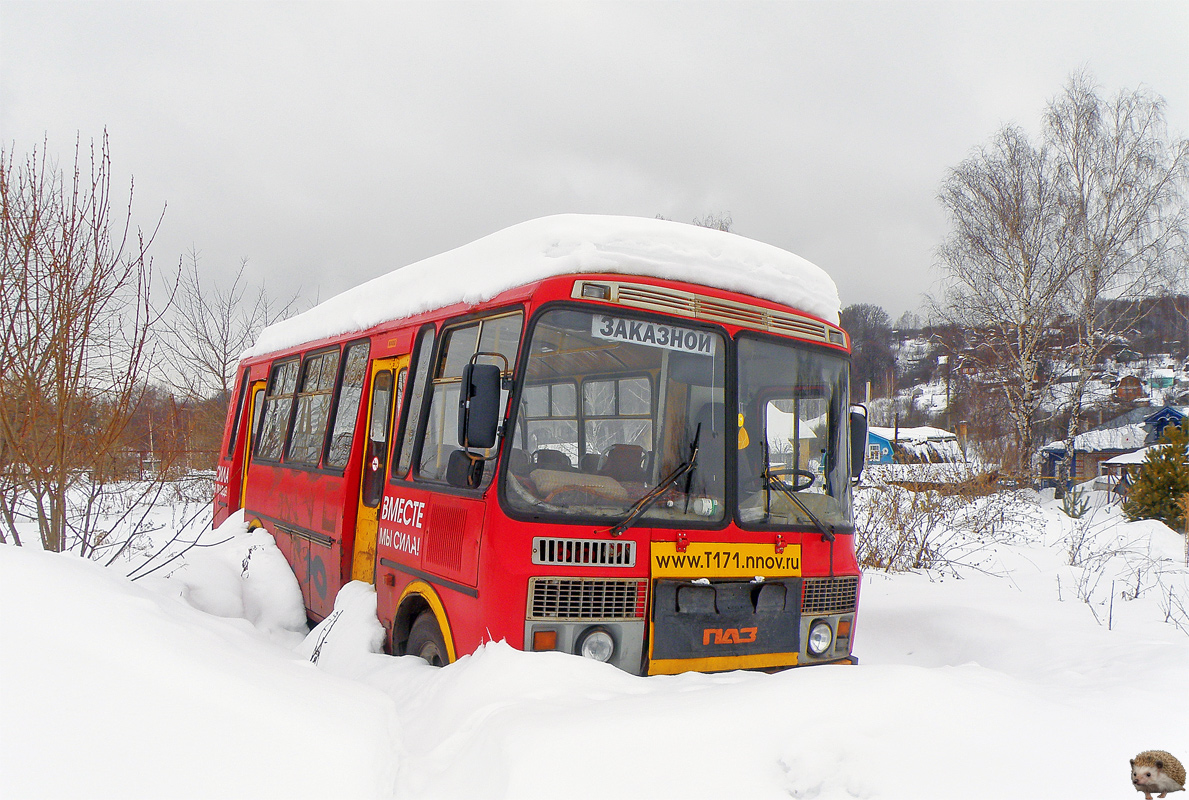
198	681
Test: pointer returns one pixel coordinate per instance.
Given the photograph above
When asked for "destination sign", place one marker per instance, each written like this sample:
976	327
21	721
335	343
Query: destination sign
652	334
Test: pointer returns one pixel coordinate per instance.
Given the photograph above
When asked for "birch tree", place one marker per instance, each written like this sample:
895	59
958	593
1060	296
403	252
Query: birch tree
210	327
1006	268
1121	181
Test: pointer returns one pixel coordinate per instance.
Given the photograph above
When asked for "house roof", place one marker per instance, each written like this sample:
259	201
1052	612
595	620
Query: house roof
1135	457
1123	433
915	435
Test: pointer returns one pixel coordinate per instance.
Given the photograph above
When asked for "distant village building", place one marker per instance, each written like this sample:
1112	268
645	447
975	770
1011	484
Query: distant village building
1123	435
1162	378
1118	473
922	445
1129	388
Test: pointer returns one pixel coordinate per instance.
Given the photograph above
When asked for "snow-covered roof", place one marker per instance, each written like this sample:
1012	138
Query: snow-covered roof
1126	432
560	245
1136	457
924	444
1125	437
916	435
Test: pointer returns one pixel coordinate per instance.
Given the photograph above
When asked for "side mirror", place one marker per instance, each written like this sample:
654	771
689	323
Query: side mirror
479	406
464	472
858	441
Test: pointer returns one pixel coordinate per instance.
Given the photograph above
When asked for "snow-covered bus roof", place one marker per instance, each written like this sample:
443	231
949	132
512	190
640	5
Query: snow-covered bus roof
561	245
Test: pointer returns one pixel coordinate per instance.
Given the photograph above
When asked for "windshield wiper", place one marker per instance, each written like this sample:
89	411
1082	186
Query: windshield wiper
645	502
773	482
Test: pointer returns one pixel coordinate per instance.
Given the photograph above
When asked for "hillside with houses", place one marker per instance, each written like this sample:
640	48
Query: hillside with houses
934	395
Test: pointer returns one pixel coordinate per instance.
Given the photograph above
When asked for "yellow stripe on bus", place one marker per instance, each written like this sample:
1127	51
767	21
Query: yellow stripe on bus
427	593
675	666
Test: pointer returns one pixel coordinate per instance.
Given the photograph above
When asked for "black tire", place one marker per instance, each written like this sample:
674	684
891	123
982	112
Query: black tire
426	641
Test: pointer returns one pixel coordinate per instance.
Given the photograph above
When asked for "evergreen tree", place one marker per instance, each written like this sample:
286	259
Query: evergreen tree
1162	481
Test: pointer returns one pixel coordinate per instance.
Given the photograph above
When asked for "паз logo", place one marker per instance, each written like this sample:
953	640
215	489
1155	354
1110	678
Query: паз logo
729	635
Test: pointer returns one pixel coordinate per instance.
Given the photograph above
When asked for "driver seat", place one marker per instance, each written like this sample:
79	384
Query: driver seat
625	463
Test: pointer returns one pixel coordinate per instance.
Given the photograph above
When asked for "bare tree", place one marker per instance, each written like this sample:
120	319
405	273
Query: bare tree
720	222
1006	268
211	326
76	343
1121	182
873	360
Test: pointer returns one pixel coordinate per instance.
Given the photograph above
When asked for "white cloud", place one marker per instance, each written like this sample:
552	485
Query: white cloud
330	142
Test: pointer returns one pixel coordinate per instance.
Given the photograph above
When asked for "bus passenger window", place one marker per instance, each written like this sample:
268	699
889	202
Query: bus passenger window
375	456
239	413
420	379
549	414
350	392
495	337
313	407
616	412
277	405
402	379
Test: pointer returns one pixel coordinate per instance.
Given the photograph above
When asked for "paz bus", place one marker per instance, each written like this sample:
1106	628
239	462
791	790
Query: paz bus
626	439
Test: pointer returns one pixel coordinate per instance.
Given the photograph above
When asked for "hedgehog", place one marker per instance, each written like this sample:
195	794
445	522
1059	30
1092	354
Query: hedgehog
1157	771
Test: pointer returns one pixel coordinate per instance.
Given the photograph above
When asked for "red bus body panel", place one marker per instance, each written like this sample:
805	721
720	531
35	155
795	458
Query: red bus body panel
472	554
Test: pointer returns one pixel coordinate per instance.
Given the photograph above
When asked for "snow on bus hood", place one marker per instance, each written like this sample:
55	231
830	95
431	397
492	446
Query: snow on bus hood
559	245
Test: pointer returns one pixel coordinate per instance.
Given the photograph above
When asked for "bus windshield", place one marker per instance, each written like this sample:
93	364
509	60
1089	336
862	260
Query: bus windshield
611	405
794	451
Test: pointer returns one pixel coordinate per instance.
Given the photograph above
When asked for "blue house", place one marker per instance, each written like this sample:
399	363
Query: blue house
1141	427
879	447
922	445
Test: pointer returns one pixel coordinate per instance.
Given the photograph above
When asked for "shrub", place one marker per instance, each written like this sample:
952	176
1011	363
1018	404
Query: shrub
1163	480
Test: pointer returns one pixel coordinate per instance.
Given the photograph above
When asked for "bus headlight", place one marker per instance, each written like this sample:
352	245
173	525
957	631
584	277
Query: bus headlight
596	643
820	638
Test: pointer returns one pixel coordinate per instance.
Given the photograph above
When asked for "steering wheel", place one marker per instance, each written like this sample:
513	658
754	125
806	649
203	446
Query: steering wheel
777	473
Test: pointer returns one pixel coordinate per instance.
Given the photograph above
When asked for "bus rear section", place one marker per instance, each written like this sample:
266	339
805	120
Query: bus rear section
647	472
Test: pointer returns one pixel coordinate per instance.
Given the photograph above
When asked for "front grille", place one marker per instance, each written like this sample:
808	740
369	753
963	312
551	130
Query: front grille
583	552
829	595
712	309
586	598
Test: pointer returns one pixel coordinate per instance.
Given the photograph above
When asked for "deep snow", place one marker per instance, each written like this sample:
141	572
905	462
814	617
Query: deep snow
200	684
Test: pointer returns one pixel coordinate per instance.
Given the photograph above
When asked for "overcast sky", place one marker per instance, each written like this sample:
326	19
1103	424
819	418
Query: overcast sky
327	142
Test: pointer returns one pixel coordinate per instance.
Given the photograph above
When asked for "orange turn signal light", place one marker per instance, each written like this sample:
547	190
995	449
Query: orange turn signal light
843	628
544	640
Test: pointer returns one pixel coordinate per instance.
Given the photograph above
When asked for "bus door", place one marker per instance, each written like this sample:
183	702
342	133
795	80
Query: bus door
255	401
387	388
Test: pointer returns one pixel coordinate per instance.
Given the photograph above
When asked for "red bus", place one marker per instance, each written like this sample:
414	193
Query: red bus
627	439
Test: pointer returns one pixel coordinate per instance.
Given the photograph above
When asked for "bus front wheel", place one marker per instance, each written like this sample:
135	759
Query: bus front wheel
426	640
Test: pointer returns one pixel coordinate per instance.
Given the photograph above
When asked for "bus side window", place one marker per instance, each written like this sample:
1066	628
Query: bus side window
239	413
402	379
376	450
416	394
314	396
499	335
274	421
342	433
550	422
